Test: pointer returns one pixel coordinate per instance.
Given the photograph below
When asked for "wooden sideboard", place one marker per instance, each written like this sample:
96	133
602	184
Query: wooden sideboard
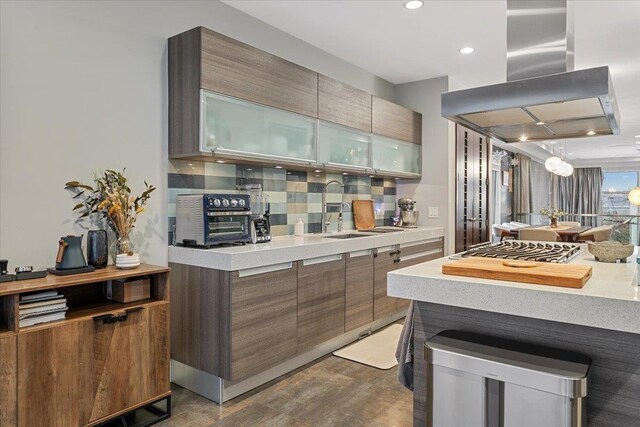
84	370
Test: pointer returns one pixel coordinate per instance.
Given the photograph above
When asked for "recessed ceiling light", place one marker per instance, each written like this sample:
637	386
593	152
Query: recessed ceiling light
552	142
278	167
373	176
413	4
637	142
345	173
637	136
466	50
540	123
317	171
220	161
523	138
591	132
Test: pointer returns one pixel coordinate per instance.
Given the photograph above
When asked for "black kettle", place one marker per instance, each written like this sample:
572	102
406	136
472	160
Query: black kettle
70	253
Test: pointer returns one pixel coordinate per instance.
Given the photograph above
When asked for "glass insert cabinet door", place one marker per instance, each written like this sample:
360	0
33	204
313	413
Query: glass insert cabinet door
391	155
233	125
343	146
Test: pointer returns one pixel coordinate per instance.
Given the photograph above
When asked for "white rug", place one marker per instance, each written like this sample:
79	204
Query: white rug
377	350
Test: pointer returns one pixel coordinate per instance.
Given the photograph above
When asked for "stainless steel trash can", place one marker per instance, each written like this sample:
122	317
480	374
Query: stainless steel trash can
474	380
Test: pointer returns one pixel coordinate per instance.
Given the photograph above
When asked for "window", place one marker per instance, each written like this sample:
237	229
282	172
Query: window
615	201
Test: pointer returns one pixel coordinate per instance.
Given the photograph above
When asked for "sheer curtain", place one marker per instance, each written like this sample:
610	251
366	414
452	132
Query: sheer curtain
581	193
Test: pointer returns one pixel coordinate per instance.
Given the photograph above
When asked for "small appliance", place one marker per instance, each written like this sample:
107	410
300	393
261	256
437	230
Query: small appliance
260	213
97	248
70	254
207	220
70	258
408	213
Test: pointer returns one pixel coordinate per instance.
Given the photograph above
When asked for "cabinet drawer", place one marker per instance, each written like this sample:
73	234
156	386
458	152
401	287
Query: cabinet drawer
263	320
422	246
237	69
86	370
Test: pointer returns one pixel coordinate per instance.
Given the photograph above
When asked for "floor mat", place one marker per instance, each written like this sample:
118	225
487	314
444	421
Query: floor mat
377	350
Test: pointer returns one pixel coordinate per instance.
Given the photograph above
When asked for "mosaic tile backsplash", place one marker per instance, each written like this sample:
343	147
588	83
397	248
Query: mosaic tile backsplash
293	195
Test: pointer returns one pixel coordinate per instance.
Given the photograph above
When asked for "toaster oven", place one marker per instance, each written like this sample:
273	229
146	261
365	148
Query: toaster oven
206	220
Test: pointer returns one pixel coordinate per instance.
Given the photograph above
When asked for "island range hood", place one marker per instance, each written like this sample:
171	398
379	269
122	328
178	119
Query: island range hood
543	97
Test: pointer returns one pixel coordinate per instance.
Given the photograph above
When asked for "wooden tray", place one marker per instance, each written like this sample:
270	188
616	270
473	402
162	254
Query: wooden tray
539	273
363	216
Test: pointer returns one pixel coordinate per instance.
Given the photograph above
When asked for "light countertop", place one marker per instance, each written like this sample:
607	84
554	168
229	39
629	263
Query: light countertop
609	300
291	248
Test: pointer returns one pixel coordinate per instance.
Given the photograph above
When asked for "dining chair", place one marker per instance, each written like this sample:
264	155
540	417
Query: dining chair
538	234
570	223
596	234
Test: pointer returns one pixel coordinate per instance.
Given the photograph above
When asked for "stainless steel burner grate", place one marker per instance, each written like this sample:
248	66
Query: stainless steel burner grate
526	251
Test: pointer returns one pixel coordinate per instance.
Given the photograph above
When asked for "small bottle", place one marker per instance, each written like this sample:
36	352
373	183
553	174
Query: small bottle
299	228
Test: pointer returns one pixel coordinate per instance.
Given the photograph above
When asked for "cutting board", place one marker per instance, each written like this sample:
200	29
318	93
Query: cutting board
363	215
539	273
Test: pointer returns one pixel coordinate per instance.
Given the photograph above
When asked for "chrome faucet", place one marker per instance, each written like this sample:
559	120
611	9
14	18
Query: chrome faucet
325	222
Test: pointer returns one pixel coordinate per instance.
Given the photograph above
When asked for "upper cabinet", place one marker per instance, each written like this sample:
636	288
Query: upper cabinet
231	101
343	104
237	69
235	127
395	121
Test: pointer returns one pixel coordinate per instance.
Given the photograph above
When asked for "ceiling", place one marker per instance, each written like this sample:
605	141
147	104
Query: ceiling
400	46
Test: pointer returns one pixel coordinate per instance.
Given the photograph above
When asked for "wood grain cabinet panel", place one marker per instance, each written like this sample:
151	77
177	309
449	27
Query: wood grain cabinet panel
233	68
384	263
343	104
263	321
359	291
395	121
79	372
8	380
321	296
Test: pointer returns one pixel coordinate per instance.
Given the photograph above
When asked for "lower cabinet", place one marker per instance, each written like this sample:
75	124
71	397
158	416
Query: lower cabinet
264	321
8	380
358	289
386	260
415	253
82	371
321	300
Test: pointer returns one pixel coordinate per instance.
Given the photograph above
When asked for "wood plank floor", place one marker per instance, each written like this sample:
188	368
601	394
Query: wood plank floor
328	392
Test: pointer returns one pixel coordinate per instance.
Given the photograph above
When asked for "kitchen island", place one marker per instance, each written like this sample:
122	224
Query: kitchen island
601	321
244	315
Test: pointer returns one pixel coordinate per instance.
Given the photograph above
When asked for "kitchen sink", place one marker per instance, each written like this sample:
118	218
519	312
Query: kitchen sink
347	236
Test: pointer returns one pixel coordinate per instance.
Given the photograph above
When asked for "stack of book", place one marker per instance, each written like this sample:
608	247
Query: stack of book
41	308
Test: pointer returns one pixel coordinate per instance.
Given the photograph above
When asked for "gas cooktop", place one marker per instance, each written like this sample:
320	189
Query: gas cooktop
526	251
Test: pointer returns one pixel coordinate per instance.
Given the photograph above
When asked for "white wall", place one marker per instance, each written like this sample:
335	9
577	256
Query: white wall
84	87
436	188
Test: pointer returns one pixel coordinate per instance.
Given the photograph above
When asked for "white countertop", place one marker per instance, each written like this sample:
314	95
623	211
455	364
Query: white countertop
291	248
609	300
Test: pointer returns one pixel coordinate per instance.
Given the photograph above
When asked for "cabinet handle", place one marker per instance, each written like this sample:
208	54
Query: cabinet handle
395	261
394	253
113	318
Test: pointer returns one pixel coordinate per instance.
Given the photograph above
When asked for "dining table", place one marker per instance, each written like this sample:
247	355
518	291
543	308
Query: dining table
567	233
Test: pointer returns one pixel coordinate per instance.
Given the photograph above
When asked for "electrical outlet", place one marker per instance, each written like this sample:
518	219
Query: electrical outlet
433	212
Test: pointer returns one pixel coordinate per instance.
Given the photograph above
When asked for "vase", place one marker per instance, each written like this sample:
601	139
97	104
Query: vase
554	222
123	245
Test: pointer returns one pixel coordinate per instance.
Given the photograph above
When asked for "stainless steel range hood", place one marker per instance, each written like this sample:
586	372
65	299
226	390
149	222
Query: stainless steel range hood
543	98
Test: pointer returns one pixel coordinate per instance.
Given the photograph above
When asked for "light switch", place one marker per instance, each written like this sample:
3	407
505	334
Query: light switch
433	212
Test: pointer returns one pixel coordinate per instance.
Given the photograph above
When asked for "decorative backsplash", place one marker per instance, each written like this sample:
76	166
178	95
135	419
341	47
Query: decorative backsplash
293	195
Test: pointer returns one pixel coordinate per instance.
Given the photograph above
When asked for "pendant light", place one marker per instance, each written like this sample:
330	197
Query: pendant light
634	196
557	166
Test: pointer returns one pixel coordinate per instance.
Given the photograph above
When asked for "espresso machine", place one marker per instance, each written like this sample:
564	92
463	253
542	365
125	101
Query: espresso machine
408	213
260	213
